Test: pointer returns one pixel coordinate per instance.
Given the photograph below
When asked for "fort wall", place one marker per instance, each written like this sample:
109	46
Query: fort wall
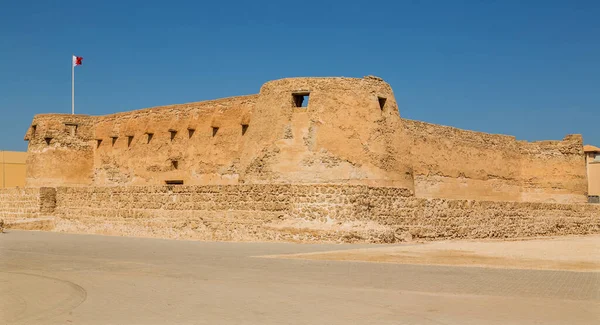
17	203
312	213
60	151
351	133
460	164
197	143
284	212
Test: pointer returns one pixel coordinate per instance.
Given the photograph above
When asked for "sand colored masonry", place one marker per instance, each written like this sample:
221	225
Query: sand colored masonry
308	159
350	132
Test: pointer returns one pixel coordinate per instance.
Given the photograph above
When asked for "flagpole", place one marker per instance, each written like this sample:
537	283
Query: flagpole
72	86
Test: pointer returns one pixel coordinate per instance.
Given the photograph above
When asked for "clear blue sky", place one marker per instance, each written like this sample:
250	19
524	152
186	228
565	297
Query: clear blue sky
524	68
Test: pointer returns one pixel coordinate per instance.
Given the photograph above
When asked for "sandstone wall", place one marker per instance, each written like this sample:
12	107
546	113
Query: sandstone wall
60	151
460	164
554	171
350	133
198	143
337	213
18	203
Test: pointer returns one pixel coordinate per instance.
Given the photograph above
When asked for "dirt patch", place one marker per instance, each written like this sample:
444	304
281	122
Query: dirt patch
572	254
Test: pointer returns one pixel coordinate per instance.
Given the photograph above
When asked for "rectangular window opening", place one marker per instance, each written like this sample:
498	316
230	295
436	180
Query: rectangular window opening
215	130
191	132
300	99
71	129
244	128
175	164
174	182
382	101
173	134
129	140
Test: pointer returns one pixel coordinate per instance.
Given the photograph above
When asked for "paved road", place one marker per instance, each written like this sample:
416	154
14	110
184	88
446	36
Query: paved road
50	278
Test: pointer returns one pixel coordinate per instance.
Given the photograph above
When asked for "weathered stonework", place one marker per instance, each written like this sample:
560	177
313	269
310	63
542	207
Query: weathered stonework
333	213
346	168
350	133
18	203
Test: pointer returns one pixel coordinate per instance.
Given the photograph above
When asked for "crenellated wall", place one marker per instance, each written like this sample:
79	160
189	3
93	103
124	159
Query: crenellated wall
351	133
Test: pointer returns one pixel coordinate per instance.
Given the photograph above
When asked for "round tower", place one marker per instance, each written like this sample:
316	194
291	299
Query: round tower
327	130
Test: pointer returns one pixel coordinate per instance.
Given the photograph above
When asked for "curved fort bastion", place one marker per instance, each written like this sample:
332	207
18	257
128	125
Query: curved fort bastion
350	133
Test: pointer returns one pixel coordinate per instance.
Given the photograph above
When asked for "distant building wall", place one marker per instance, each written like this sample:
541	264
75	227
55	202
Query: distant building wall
593	170
12	169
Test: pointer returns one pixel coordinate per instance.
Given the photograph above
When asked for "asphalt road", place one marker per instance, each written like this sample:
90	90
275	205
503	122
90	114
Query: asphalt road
51	278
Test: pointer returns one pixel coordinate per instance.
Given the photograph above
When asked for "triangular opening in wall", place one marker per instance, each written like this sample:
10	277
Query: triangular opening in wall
114	140
173	134
244	128
215	130
150	135
98	143
381	101
191	132
48	140
129	140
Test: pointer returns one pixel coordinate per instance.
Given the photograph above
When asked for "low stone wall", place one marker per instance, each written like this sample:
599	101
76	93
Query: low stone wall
18	203
308	213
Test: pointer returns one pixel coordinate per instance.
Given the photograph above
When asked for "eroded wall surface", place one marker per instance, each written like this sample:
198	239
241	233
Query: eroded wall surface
17	203
283	212
320	213
351	133
461	164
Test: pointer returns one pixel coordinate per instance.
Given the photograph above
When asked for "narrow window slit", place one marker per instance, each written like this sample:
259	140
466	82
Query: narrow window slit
129	140
244	128
215	130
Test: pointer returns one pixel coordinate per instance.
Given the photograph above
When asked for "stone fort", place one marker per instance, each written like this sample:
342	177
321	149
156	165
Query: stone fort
304	159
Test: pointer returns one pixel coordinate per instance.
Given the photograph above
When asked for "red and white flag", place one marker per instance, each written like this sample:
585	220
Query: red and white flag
77	60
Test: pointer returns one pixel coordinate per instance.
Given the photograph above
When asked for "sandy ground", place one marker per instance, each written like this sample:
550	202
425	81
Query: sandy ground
566	253
53	278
